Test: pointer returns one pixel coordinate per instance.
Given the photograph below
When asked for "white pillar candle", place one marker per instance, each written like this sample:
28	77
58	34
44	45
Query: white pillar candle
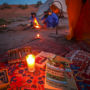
31	63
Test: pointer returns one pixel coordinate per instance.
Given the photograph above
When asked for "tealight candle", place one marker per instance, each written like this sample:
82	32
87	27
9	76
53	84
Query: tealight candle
31	63
38	35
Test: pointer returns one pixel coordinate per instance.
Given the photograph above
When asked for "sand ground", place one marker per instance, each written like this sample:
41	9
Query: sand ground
15	36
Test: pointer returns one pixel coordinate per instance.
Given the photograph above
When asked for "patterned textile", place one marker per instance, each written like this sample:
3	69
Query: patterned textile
84	46
72	47
21	79
81	68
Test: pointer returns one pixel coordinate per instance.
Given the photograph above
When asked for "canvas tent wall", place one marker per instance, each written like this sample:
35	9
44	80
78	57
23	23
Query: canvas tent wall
63	3
44	7
60	4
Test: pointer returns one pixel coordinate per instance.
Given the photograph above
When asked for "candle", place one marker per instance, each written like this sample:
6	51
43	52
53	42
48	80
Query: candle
31	63
38	35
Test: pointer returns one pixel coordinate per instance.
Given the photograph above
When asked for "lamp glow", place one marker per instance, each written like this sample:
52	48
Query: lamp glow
31	63
38	35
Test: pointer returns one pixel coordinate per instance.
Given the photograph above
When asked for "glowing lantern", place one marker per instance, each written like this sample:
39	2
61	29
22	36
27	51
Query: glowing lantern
38	35
36	24
31	62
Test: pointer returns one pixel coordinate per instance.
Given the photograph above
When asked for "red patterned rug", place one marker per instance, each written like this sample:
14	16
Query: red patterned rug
81	68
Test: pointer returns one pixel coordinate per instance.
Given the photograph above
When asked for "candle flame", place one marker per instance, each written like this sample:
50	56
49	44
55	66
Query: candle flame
30	59
38	35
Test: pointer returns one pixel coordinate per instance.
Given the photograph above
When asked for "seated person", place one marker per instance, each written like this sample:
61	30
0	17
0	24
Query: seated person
51	19
32	17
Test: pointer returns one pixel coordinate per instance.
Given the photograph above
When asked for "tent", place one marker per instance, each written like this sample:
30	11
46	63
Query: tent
79	19
78	14
44	7
55	4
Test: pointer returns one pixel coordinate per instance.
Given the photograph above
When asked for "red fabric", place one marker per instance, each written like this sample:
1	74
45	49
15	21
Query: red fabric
81	68
21	79
82	30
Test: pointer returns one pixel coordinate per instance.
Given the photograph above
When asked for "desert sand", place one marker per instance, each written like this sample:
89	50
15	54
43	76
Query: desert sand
16	12
14	36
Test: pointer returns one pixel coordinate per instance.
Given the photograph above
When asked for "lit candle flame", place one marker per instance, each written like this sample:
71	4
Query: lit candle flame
31	62
38	35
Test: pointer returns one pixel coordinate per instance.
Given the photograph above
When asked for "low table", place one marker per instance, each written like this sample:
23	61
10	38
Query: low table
22	79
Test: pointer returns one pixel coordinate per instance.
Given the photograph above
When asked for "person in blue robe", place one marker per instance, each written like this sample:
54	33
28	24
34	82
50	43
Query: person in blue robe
51	20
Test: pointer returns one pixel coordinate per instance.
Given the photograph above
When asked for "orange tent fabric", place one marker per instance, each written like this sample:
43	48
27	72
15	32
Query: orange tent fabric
82	30
73	9
79	19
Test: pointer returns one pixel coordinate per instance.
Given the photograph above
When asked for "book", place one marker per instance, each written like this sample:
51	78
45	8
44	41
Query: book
4	78
59	74
41	58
